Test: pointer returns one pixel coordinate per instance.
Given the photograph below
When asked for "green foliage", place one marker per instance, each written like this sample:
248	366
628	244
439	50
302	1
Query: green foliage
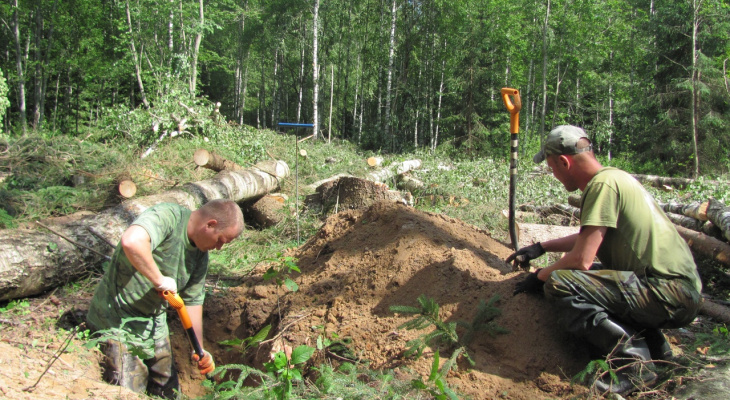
717	342
436	383
281	270
142	348
427	314
594	369
6	221
19	307
244	344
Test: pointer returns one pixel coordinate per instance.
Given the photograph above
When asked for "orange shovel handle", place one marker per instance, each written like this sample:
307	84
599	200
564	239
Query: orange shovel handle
513	106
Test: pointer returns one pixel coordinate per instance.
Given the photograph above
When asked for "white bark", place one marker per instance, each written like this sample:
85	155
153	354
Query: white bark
315	70
391	60
196	50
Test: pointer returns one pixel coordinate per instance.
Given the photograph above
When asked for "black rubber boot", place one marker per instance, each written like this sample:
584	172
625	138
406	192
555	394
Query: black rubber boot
658	345
628	355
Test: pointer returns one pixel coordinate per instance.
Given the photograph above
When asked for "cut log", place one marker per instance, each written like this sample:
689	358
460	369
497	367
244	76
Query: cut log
661	181
125	186
302	153
716	311
694	210
374	161
706	245
350	193
33	261
706	227
393	170
720	216
207	159
409	183
319	183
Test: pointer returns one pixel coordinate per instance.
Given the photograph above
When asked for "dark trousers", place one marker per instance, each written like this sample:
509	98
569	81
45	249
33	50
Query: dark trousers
157	375
586	298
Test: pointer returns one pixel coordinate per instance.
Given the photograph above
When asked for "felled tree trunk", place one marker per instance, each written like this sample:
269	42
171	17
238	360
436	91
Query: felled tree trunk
409	183
660	181
716	311
207	159
706	245
125	186
694	210
393	170
706	227
720	216
33	261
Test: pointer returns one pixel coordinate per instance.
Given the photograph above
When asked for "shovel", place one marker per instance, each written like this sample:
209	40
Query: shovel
513	106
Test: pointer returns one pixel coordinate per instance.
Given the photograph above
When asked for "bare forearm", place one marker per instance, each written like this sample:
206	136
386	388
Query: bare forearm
196	318
560	245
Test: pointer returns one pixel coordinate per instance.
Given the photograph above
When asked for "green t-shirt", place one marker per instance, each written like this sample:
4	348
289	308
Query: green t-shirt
124	292
640	237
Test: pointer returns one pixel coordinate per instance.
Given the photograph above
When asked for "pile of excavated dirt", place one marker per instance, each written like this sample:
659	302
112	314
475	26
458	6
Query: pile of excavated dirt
361	262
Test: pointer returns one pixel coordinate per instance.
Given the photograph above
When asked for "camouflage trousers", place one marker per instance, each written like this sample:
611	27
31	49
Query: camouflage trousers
157	375
586	298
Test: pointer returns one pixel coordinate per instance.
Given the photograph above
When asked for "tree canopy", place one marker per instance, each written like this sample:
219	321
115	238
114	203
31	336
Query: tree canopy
647	80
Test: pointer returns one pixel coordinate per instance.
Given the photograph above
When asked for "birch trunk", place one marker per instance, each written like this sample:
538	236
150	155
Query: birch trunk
196	50
33	261
15	28
391	60
135	59
315	70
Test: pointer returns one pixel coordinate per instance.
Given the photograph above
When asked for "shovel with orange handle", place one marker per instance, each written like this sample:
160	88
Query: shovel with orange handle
179	305
513	106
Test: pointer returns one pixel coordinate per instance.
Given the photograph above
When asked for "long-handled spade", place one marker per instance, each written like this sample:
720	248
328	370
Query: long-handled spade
177	303
513	106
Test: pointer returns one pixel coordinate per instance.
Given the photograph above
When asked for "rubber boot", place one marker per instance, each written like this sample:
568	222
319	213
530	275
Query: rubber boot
658	345
629	357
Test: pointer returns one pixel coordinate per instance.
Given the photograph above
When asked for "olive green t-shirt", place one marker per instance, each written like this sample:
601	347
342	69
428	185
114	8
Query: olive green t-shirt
640	237
124	292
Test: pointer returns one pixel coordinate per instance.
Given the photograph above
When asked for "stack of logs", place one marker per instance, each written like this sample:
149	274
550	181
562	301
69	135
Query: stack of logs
705	226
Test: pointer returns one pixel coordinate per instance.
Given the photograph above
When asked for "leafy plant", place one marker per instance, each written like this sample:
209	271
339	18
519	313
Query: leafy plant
284	371
444	333
20	307
244	344
715	343
436	383
280	271
137	346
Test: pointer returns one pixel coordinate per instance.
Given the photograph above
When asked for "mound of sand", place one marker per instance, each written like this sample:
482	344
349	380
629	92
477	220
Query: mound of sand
361	262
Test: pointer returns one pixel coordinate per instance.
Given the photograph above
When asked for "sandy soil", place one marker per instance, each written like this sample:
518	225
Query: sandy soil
359	264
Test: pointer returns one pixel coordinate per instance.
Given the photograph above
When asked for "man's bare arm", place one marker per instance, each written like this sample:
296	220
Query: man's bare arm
136	244
582	254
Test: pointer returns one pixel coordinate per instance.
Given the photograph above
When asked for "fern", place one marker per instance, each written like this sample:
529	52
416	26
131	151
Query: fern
444	333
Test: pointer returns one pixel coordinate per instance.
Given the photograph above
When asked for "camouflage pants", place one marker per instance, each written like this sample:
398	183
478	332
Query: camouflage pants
156	375
586	298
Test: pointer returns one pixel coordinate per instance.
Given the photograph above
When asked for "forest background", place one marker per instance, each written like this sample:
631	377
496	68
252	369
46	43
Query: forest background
648	80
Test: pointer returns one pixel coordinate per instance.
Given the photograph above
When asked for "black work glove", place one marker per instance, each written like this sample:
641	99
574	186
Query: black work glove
523	256
531	284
